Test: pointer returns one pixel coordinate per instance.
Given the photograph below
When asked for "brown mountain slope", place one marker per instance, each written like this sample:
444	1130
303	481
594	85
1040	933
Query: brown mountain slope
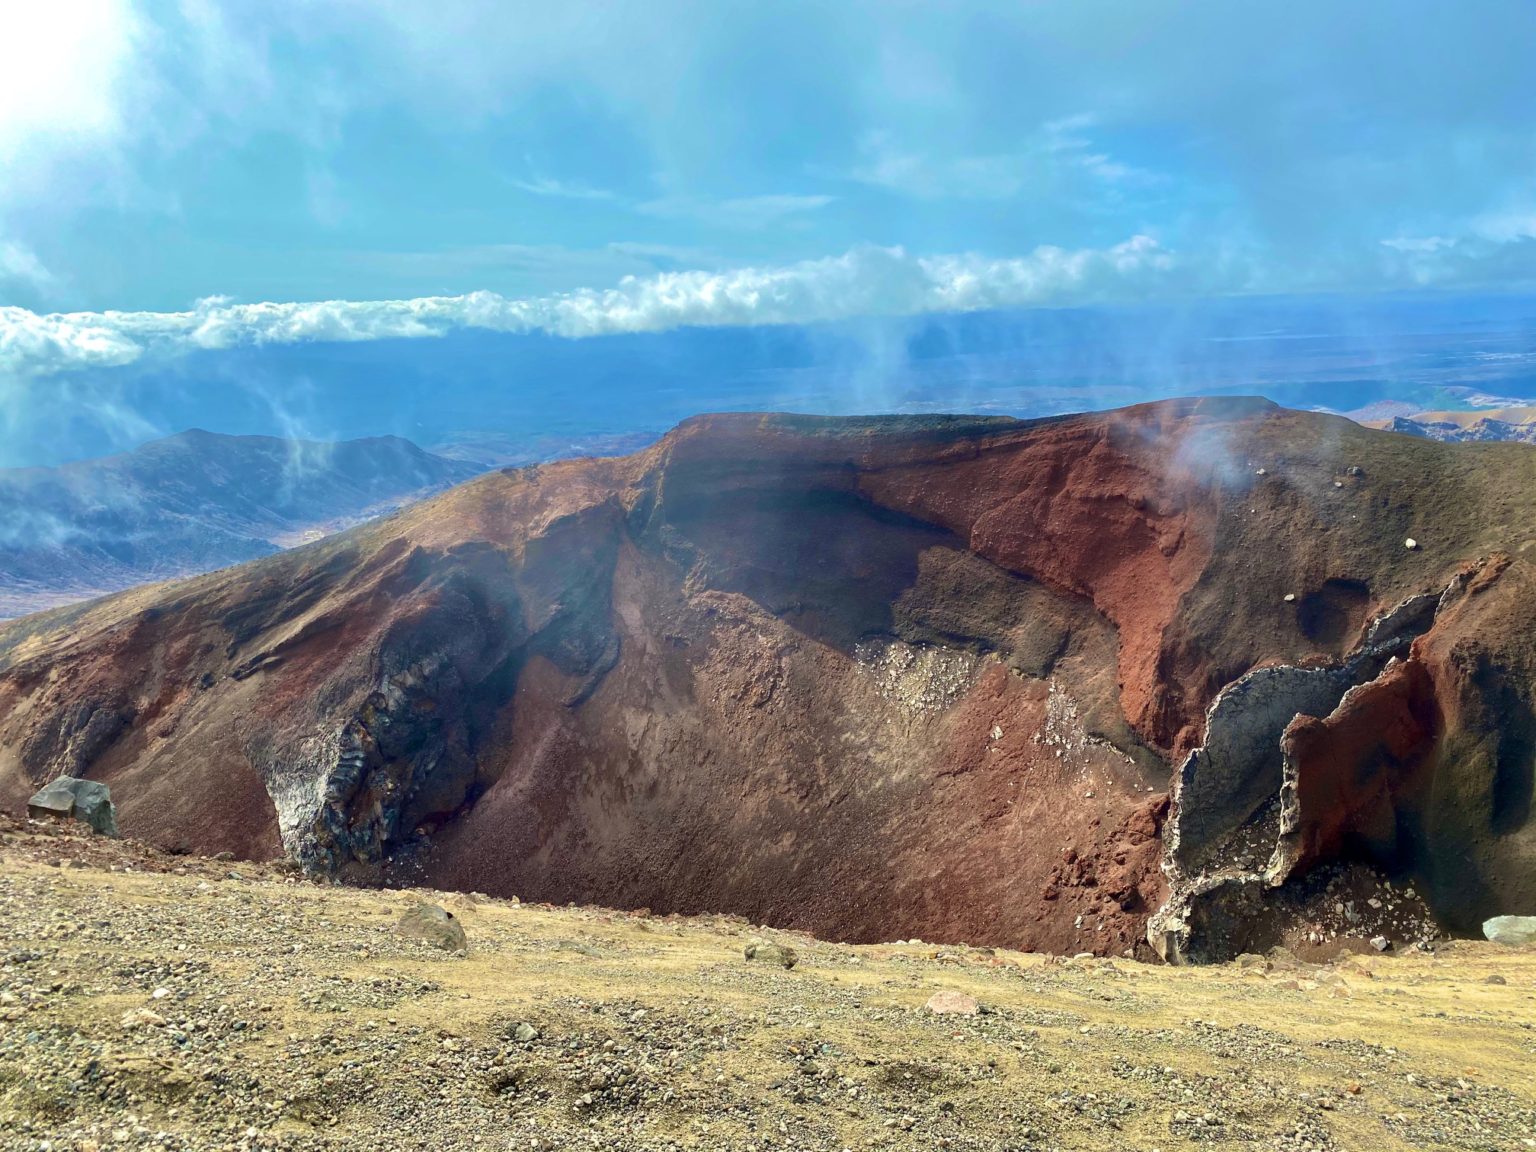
869	678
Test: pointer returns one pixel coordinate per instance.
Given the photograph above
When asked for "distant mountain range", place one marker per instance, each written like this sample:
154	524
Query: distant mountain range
194	502
1457	427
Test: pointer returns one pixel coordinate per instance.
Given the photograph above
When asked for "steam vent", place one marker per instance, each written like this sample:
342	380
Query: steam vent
1164	679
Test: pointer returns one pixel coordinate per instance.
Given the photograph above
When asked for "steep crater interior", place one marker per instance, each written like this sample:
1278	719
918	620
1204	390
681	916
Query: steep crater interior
871	679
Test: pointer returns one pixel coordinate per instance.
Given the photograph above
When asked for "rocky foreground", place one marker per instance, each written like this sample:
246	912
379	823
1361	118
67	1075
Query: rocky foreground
177	1002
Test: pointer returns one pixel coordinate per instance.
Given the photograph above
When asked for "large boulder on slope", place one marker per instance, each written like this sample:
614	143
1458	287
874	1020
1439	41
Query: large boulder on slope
764	952
88	801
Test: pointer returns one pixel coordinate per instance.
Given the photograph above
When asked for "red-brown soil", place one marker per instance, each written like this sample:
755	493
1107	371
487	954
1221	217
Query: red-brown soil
873	679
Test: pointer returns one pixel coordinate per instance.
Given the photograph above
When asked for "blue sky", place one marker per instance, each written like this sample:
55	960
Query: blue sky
158	153
189	174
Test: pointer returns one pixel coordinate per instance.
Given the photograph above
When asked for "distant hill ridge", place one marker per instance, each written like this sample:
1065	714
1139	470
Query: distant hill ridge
1504	424
192	502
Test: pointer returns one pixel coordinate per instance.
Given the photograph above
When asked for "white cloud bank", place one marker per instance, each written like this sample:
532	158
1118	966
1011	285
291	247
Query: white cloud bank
866	281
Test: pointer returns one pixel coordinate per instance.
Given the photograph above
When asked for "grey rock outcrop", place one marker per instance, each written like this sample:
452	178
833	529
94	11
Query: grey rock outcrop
1511	930
69	797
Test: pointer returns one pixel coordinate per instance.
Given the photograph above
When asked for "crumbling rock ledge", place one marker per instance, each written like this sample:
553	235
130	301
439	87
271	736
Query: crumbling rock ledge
403	760
1305	768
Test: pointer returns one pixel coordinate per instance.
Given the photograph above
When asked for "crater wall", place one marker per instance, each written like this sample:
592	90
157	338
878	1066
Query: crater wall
872	678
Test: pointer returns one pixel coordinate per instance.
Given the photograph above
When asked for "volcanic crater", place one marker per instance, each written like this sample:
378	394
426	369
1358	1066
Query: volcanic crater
1166	677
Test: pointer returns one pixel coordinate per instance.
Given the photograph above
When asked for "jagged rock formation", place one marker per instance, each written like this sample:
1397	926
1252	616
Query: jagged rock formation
1415	754
871	678
1250	801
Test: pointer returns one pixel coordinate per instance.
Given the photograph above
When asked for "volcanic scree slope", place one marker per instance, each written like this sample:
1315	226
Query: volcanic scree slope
869	678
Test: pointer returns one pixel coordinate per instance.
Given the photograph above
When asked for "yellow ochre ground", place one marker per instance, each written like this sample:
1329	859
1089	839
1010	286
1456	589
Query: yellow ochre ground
149	1001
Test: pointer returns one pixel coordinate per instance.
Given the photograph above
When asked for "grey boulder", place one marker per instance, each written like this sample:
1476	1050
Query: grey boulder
434	925
766	953
88	801
1512	930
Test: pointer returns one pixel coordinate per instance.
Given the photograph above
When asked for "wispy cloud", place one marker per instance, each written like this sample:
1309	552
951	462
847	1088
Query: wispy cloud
1491	248
1420	244
735	212
1469	260
20	266
665	256
1058	152
1068	140
1507	224
866	281
731	212
562	189
885	165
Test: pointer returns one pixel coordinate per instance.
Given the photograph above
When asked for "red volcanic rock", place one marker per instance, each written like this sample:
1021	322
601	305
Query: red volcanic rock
1388	725
1475	795
1436	748
872	679
1116	516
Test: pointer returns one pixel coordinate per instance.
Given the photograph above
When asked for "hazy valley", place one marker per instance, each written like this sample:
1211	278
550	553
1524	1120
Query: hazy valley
190	503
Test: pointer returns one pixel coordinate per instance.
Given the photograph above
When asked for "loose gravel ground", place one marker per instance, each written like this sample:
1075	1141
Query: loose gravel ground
159	1002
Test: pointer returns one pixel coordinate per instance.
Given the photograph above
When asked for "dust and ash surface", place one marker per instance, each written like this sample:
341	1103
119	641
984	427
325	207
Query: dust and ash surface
150	1000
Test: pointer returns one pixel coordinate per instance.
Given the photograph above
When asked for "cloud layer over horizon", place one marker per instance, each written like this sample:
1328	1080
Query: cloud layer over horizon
867	281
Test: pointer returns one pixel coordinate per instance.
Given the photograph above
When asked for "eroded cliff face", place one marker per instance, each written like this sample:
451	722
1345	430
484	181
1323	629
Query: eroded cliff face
1413	757
870	678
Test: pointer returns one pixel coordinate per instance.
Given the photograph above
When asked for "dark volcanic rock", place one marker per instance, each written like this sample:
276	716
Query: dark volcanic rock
1239	768
871	679
55	802
88	801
